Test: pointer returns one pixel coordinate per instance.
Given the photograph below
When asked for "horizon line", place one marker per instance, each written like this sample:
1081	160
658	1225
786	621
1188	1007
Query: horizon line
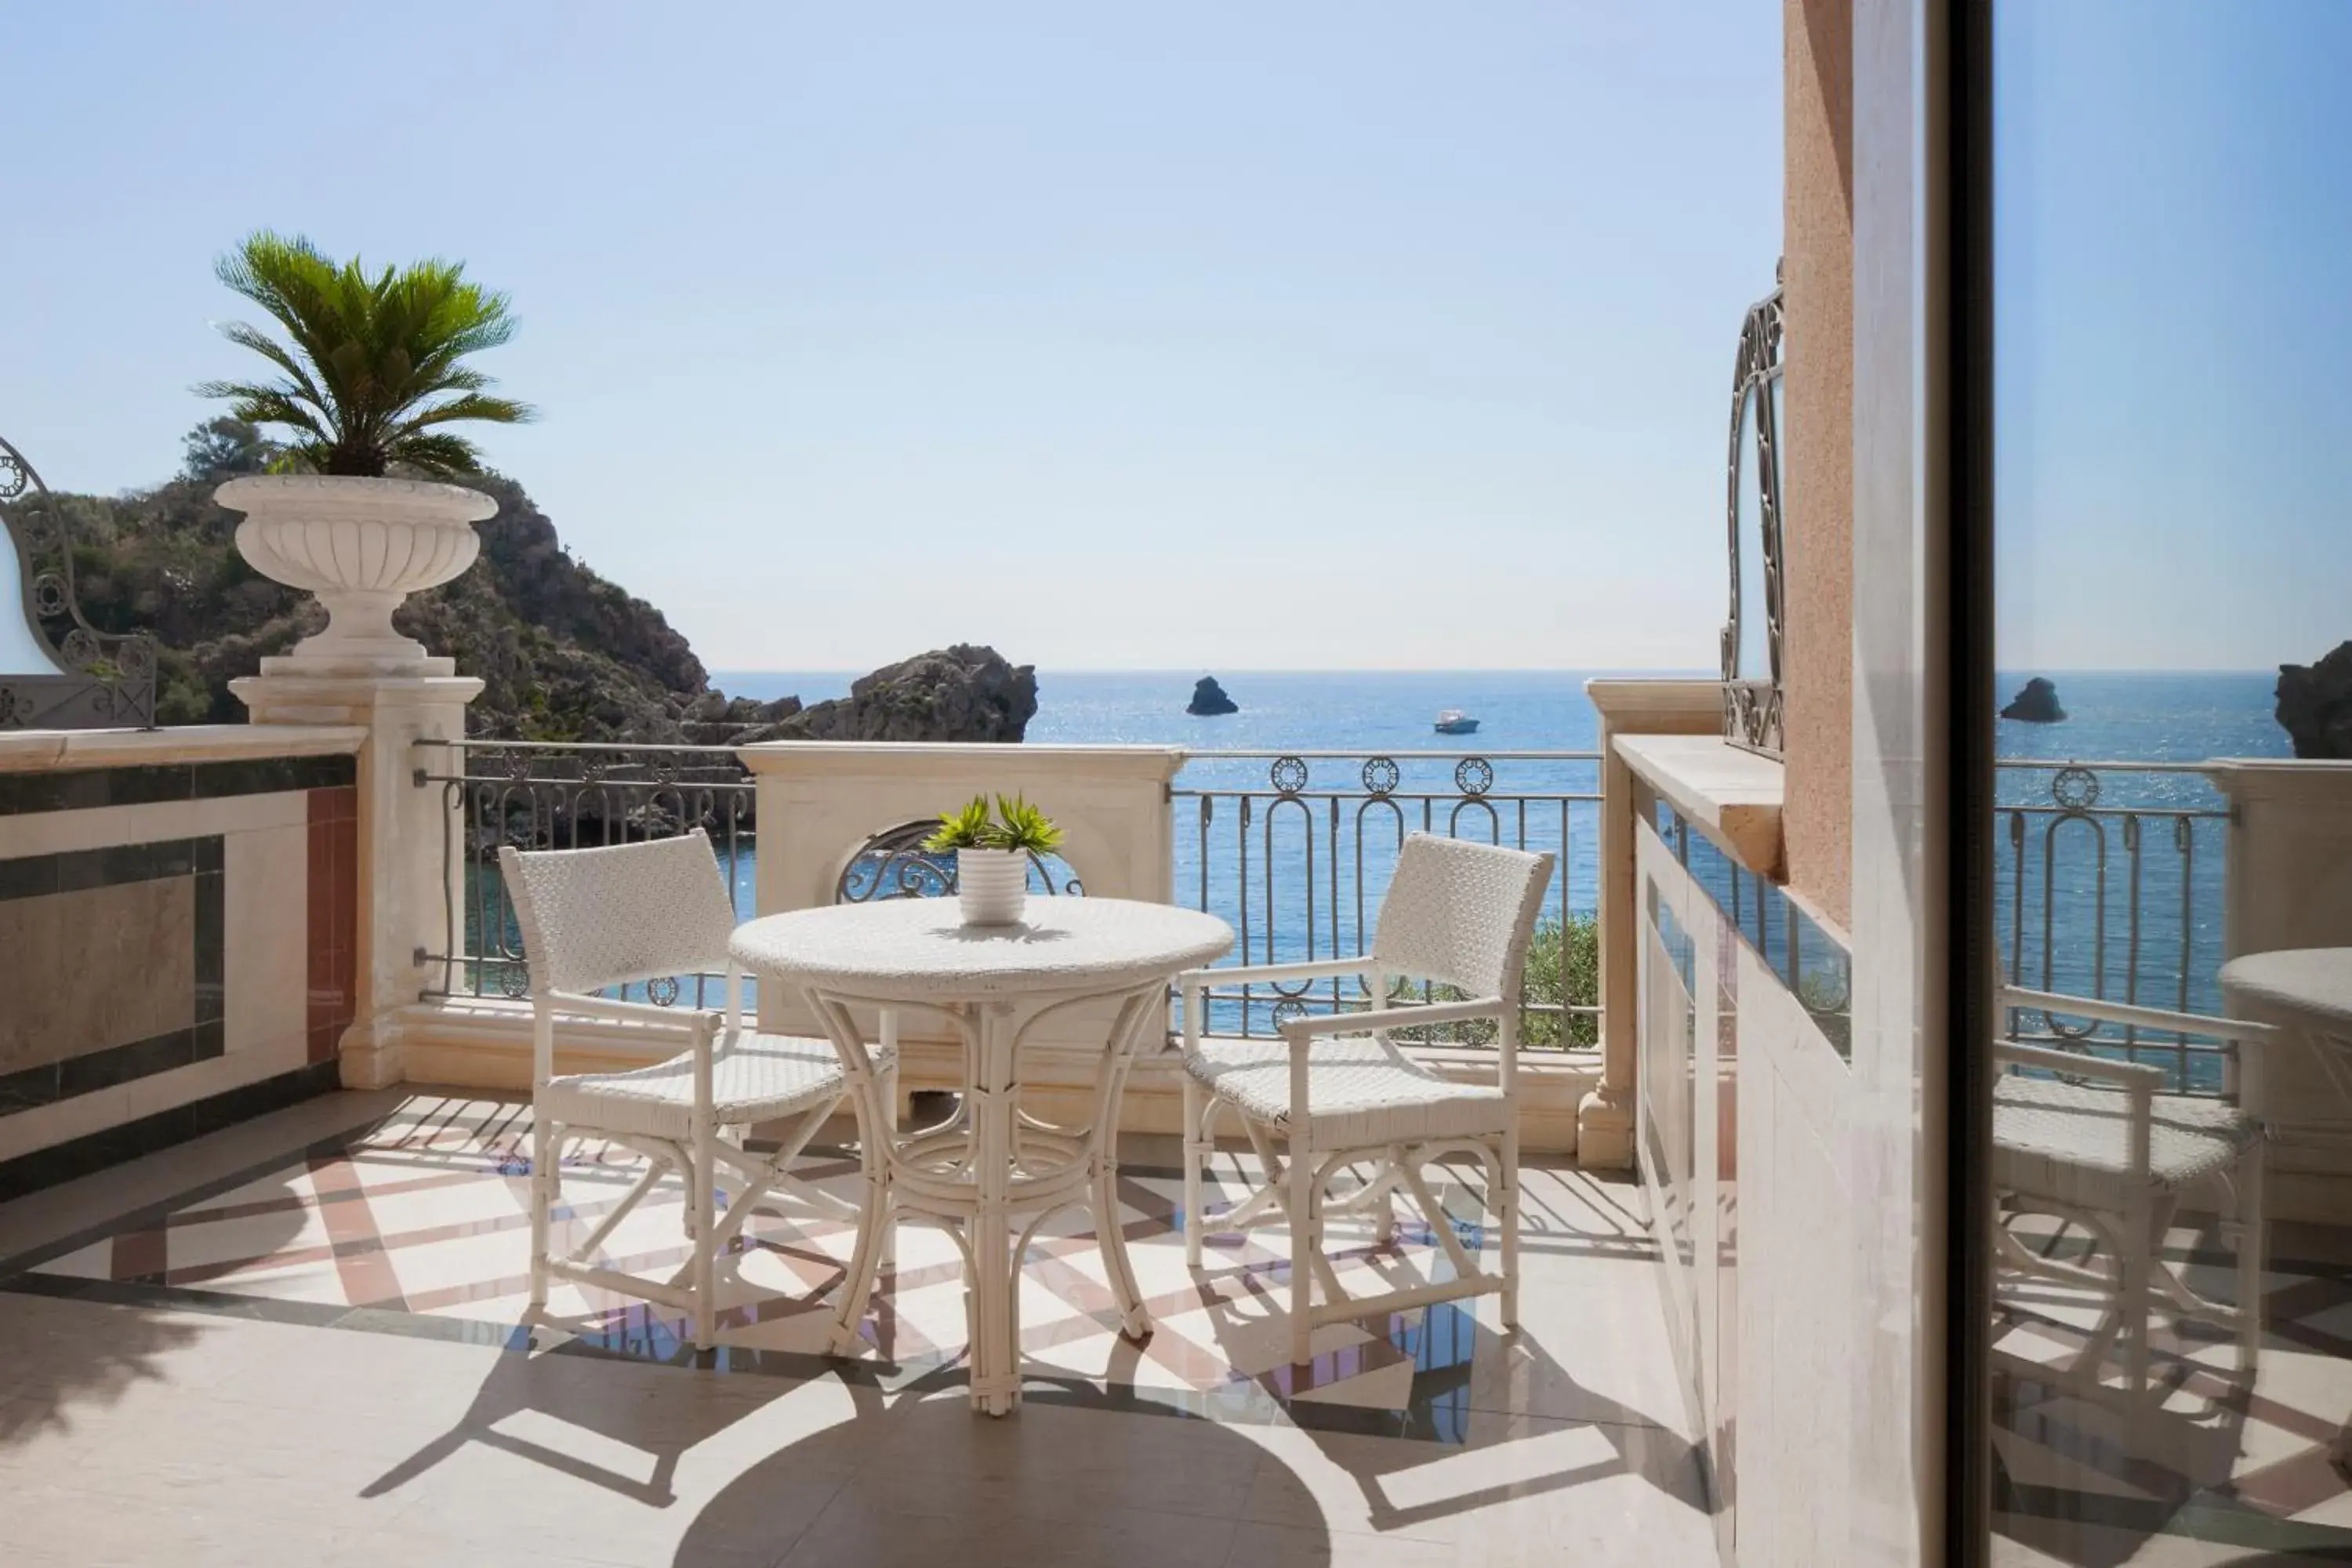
1624	673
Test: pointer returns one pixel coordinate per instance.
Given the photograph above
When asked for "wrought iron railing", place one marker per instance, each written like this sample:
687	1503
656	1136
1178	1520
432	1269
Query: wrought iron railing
559	795
1295	849
2110	873
2110	877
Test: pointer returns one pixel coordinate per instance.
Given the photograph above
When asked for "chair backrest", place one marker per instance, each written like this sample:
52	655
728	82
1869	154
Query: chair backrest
1460	913
594	918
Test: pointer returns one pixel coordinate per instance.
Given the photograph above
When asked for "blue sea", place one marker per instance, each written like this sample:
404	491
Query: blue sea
2150	928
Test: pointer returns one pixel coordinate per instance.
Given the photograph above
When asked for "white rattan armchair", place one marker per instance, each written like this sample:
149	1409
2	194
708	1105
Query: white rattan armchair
2097	1142
1339	1092
595	919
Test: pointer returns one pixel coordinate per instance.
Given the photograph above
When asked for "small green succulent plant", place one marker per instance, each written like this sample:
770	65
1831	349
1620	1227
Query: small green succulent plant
969	829
1016	824
1020	825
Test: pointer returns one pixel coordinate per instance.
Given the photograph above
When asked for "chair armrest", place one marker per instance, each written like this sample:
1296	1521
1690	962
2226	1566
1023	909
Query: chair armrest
1298	1031
2138	1077
685	1020
2243	1030
1244	974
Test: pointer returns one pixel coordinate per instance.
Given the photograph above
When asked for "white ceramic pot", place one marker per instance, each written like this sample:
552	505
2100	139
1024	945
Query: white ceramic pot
993	885
361	545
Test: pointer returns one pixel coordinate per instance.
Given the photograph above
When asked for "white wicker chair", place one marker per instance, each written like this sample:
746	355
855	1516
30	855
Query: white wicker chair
592	919
1340	1091
2097	1142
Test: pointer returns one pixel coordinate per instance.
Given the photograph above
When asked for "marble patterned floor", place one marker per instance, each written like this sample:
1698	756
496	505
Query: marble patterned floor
319	1342
2228	1469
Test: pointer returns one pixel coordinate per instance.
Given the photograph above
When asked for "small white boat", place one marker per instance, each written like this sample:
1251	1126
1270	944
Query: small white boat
1454	722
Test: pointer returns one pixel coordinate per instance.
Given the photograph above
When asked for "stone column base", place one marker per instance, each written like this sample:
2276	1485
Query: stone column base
407	893
1604	1130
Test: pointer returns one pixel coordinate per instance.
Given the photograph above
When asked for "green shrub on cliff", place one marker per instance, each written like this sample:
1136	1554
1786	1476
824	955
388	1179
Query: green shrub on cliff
564	654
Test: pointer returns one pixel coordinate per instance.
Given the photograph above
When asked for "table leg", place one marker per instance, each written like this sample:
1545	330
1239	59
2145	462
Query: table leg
995	1327
1133	1321
1110	1235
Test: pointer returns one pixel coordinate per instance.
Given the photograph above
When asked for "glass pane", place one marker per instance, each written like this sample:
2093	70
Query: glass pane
20	650
1755	662
2171	1314
1780	467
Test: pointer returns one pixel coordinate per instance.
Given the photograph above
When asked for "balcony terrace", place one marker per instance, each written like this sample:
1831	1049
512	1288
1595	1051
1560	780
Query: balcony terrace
299	1324
303	1332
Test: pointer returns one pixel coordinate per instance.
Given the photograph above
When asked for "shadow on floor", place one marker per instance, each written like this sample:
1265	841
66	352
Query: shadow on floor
931	1479
56	1359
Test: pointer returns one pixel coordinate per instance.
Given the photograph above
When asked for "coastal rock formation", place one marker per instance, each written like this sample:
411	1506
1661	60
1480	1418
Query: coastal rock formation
2315	705
2036	704
1209	698
959	693
562	653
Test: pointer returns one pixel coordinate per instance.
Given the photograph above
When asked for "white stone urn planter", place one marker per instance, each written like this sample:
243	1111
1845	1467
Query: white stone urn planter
992	886
361	545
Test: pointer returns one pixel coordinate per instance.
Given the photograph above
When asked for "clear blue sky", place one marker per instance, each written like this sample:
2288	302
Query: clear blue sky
1300	335
2175	333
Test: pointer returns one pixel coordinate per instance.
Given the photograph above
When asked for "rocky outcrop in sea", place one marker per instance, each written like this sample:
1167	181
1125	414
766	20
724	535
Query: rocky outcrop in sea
1210	698
2036	704
964	693
2315	705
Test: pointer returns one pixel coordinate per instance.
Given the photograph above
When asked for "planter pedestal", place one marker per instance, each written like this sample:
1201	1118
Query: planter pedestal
405	892
363	546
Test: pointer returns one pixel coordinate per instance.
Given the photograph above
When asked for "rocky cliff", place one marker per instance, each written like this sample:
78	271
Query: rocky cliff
2315	705
564	654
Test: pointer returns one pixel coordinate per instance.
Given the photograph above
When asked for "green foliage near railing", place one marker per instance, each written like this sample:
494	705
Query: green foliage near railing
1563	970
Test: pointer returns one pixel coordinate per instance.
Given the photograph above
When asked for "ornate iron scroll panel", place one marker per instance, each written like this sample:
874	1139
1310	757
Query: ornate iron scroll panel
1752	706
570	795
97	680
1298	860
893	864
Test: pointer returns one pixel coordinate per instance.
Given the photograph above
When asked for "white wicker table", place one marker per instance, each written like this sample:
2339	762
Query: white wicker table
992	1159
2311	989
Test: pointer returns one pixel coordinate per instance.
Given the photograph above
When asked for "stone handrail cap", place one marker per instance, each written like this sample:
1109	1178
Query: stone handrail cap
1733	795
44	751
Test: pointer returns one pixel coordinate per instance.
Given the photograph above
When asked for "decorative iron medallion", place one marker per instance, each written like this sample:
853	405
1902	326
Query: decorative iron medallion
893	864
1288	774
1474	775
2075	789
1381	775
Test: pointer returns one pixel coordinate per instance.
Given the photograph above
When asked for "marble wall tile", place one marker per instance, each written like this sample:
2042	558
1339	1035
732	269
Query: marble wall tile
250	1062
60	832
97	967
268	895
333	919
45	1125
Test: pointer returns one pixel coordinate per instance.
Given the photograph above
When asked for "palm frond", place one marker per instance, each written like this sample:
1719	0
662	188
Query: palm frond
374	359
441	454
473	405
